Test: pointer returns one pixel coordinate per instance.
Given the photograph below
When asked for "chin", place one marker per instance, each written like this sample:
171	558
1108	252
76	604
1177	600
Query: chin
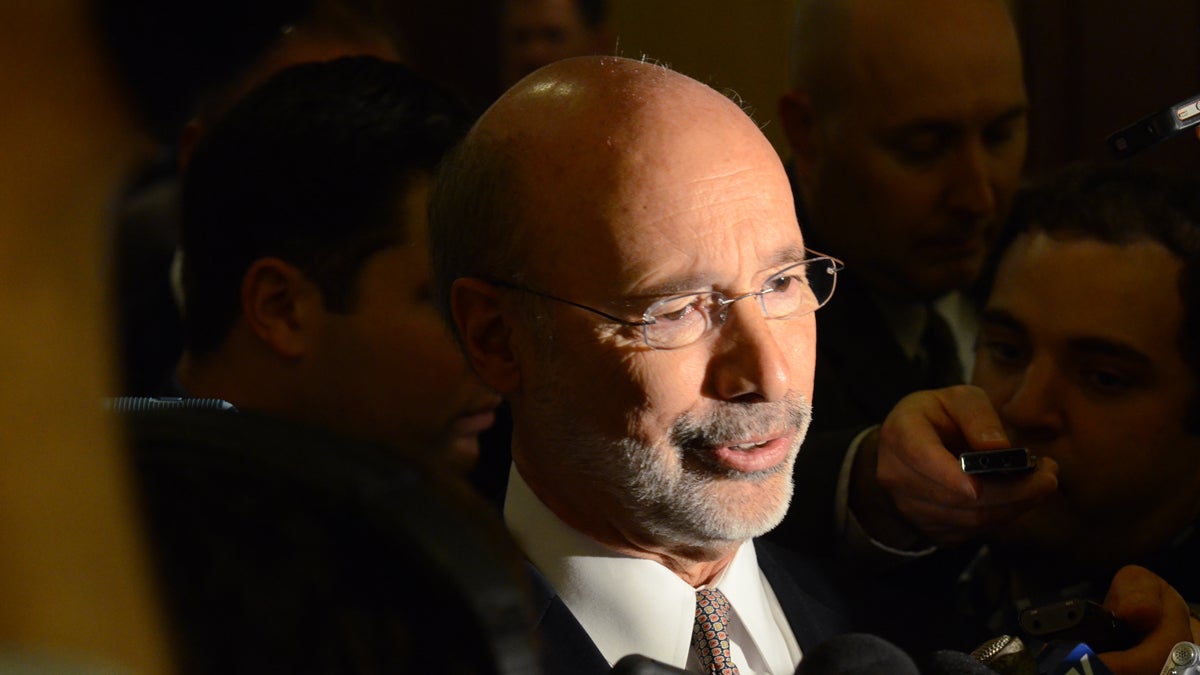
462	453
1036	535
751	508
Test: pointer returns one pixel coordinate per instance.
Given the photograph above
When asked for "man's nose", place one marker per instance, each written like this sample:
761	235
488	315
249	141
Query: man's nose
972	187
1033	407
748	360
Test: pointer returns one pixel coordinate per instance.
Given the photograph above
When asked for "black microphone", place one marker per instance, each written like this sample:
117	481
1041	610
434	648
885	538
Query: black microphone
949	662
636	664
856	654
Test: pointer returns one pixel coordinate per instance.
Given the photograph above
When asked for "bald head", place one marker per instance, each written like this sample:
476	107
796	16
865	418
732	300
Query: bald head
907	125
836	40
597	198
545	166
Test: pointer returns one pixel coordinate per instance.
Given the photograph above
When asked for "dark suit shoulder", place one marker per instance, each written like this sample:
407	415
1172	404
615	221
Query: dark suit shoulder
564	647
810	590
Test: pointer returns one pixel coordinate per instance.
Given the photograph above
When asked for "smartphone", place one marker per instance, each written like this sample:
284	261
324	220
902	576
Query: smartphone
1164	124
1077	620
1006	460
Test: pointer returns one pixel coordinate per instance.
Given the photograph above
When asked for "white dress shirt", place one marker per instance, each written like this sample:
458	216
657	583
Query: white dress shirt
637	606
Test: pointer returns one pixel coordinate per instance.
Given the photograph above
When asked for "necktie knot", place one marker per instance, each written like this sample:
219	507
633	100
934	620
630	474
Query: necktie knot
710	637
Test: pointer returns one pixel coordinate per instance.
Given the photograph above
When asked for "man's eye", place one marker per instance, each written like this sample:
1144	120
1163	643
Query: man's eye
1105	381
921	148
676	309
781	284
1002	352
1001	134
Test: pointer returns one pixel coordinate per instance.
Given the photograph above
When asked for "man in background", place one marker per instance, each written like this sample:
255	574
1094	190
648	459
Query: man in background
1087	356
306	272
907	128
534	33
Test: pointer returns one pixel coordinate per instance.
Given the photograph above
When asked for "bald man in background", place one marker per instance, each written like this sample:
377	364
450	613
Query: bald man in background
907	124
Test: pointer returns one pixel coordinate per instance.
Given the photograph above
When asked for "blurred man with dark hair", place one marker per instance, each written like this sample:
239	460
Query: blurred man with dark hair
306	273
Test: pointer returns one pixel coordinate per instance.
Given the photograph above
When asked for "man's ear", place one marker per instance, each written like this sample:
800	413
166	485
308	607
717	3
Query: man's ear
278	305
486	333
800	127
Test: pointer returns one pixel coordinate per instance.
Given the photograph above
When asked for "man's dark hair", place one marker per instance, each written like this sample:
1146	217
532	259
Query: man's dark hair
311	167
1122	204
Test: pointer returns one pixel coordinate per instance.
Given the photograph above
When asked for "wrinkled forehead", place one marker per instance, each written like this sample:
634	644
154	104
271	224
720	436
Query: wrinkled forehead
665	173
1052	284
903	58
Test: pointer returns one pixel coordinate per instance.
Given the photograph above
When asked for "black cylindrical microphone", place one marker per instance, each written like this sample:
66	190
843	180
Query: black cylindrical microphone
856	654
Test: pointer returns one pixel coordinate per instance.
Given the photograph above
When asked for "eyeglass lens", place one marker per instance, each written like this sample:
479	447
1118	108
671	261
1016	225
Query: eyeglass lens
794	291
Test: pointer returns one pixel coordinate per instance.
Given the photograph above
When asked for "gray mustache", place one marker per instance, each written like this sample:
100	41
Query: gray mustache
730	422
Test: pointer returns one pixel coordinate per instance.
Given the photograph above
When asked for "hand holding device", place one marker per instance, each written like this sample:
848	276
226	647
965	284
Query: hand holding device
1184	659
919	469
1078	620
1154	611
1002	461
1153	129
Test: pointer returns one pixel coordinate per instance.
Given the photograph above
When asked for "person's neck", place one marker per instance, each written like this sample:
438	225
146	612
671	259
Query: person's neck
696	564
226	376
1040	582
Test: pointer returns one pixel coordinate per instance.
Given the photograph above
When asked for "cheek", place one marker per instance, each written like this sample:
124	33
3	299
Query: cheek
799	343
664	385
997	385
1118	449
900	194
425	365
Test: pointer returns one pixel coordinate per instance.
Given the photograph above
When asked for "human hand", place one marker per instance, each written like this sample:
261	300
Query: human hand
908	475
1151	608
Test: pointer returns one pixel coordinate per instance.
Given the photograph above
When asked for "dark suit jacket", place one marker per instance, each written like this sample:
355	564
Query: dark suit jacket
806	591
861	373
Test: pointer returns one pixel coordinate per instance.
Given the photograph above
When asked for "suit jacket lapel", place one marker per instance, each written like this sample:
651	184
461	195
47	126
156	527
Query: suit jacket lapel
805	592
858	349
563	644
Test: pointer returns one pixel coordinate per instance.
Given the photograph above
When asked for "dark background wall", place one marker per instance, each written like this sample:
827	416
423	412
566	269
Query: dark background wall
1092	66
1095	66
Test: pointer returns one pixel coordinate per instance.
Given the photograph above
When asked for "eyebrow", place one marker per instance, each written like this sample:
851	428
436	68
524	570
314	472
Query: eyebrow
950	127
1092	346
1112	349
696	283
1000	319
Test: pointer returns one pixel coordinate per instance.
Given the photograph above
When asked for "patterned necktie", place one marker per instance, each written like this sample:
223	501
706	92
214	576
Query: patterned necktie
709	636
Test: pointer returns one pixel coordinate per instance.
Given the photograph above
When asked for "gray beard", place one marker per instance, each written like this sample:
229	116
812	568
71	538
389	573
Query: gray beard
679	503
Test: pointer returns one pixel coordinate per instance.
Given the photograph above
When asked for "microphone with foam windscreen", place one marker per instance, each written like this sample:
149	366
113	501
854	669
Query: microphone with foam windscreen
856	654
949	662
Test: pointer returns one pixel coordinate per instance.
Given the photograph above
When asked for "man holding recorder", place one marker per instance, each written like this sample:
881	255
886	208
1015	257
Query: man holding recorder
1088	356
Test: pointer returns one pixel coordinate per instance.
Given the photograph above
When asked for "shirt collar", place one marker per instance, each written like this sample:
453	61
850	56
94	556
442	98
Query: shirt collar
636	606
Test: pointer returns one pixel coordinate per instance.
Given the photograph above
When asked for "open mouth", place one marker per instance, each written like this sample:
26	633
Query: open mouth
752	456
748	446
